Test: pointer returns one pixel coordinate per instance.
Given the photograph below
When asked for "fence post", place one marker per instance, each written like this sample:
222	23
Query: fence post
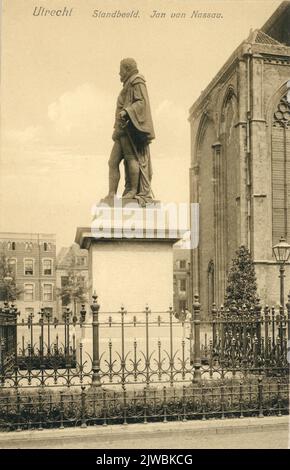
260	397
95	307
2	355
279	397
41	338
266	330
61	406
258	311
280	327
214	333
83	315
288	317
83	407
67	315
15	314
123	362
196	326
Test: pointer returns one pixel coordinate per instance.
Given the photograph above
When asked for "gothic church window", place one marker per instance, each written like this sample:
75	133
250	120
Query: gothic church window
281	171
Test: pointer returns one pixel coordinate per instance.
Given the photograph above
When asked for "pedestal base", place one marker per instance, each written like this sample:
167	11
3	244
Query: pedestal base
131	256
131	265
132	273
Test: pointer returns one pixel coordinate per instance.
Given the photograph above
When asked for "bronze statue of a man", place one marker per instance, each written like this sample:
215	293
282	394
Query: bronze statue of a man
133	132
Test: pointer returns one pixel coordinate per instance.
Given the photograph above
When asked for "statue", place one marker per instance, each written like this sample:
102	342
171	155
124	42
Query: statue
133	132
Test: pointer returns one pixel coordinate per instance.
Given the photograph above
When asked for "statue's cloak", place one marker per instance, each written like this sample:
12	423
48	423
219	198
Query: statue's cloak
134	100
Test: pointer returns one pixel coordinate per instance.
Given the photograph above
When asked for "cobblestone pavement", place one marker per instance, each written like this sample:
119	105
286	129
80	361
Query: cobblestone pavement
249	433
244	440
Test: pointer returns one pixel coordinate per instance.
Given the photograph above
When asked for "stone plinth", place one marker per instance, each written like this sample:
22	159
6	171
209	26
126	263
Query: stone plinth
131	264
131	257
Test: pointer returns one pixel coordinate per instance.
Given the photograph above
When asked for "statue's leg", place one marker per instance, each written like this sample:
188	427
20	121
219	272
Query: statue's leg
127	179
114	170
132	166
134	172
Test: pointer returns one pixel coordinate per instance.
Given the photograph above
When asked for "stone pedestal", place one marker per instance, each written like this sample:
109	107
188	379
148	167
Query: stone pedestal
131	256
131	264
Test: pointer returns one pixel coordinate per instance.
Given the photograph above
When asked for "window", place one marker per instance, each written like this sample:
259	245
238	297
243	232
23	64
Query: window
47	292
28	267
46	246
28	292
47	267
81	261
64	281
281	171
28	246
65	297
83	282
11	246
182	285
182	305
182	264
12	266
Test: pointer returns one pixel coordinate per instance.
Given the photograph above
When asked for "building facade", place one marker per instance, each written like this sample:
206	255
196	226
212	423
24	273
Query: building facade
240	162
31	261
181	280
71	262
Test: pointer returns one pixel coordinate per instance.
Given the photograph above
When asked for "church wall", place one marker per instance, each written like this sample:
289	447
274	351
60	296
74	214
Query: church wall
271	87
206	243
239	104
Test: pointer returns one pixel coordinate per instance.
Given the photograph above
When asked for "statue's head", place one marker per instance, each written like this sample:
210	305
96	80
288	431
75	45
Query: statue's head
127	67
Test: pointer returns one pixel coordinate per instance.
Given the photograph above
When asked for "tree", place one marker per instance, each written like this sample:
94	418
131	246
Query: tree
8	288
242	283
74	290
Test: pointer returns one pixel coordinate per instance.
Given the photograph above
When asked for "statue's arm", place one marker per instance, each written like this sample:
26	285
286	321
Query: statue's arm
137	109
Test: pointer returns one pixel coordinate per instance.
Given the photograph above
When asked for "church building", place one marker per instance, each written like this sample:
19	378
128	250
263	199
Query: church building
240	163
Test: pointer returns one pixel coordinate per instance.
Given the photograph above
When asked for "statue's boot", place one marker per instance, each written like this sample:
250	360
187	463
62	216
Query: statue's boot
134	173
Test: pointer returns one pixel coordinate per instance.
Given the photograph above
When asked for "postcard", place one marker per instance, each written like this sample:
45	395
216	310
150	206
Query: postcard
144	226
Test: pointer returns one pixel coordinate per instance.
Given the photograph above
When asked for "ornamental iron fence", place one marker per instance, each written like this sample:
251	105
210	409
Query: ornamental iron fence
47	408
8	337
141	348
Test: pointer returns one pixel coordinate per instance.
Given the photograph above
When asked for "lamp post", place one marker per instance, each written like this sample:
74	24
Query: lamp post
281	252
189	285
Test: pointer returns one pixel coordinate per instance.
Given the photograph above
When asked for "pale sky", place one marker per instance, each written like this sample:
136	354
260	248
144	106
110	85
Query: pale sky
59	85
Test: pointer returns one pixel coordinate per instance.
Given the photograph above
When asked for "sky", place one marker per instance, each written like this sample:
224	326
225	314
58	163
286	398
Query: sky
59	85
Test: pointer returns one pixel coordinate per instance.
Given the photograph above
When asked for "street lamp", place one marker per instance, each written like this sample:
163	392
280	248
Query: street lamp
281	252
189	292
